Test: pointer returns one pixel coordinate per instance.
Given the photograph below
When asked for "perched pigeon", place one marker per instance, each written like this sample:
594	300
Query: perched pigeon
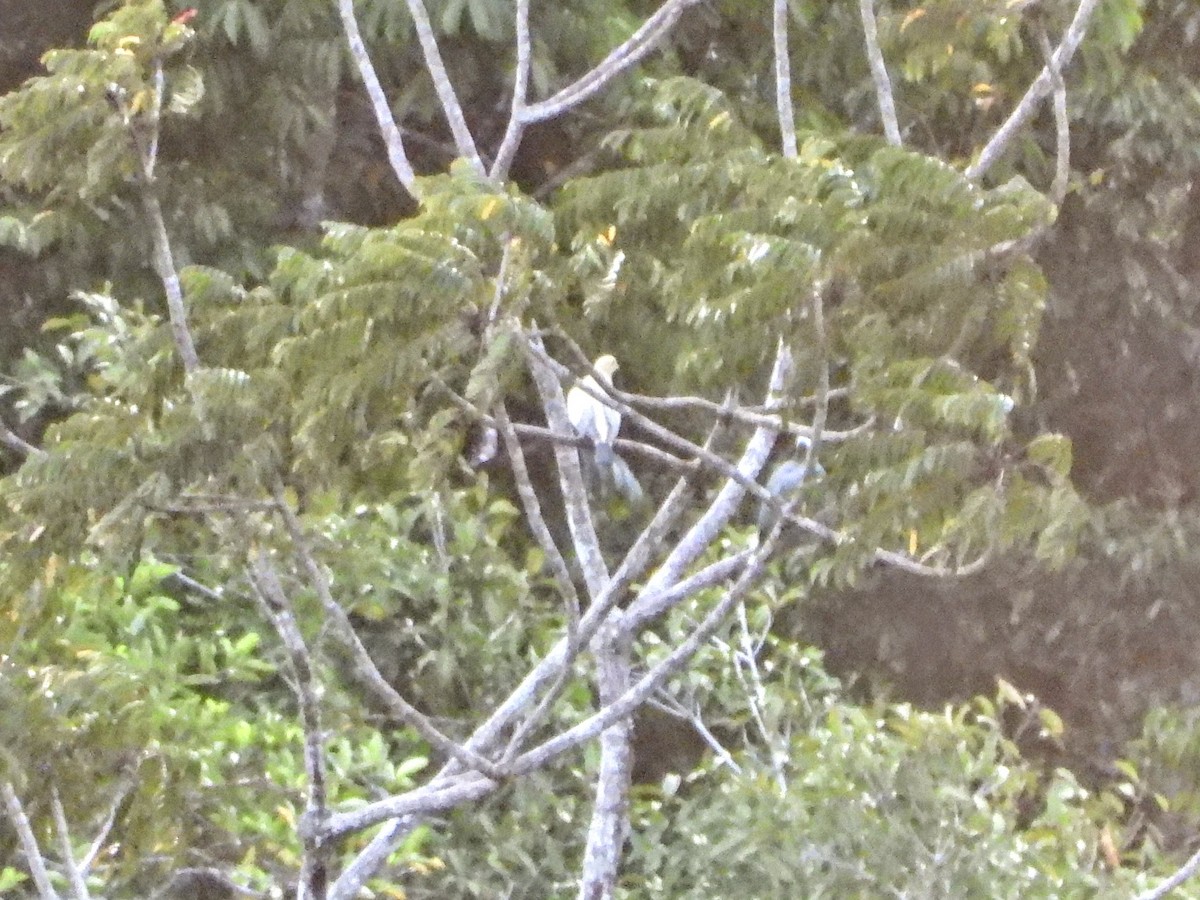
591	418
786	480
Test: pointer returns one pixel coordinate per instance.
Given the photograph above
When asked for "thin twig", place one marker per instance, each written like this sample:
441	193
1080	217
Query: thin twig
314	866
29	844
537	522
879	73
745	666
516	126
1182	874
364	667
668	704
79	888
1041	86
126	785
628	54
1062	125
14	441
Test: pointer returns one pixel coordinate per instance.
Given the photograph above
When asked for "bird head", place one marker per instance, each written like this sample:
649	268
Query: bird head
606	365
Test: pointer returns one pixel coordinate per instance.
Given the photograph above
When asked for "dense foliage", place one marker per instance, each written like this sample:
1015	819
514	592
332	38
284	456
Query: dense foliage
251	596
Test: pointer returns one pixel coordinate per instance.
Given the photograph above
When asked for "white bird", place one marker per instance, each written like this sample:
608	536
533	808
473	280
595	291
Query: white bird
591	418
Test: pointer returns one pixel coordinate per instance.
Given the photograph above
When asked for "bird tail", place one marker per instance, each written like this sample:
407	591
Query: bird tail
604	455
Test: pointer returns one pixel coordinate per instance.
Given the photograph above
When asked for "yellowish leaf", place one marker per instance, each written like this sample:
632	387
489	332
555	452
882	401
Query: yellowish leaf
1108	848
1009	693
490	207
718	120
917	13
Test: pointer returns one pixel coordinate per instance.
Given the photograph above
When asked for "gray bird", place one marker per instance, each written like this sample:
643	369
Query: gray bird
592	419
786	480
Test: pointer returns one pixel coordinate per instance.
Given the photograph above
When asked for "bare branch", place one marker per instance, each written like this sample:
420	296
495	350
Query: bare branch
441	84
79	889
1186	871
439	795
14	441
29	844
1041	86
879	74
533	515
127	784
579	515
609	825
388	128
1062	125
722	508
668	704
745	666
628	54
645	686
364	668
784	108
143	134
314	866
516	126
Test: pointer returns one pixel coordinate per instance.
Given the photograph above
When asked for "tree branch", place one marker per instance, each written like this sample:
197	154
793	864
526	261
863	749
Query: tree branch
1041	86
364	668
314	865
1186	871
14	441
579	515
784	108
441	84
164	260
879	74
79	889
628	54
1062	125
29	845
388	128
516	126
722	508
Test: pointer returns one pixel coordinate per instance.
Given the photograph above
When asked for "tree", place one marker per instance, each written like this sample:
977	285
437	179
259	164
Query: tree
282	443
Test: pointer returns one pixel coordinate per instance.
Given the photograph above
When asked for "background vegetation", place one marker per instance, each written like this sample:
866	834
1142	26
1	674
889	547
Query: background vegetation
263	584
